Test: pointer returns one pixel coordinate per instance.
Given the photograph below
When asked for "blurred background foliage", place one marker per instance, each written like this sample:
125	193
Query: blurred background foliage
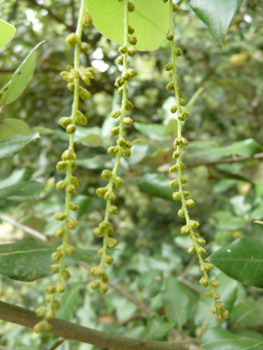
151	262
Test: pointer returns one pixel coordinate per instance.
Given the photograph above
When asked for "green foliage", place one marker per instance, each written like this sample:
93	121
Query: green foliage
28	260
21	189
157	327
7	32
11	146
217	15
241	260
150	21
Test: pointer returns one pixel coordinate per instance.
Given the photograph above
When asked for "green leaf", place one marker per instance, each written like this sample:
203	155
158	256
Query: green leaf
220	339
20	79
217	15
241	260
258	222
249	313
11	126
21	189
96	162
157	327
14	144
28	259
156	185
151	131
149	19
7	32
69	302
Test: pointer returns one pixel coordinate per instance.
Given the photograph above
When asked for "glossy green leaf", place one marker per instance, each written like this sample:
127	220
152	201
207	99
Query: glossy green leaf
219	339
20	79
149	19
151	131
14	144
28	259
252	309
11	126
241	260
217	15
21	189
157	327
156	185
7	32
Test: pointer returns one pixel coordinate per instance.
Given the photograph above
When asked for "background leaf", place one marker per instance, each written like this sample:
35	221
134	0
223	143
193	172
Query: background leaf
21	189
149	19
217	15
12	145
11	126
7	32
20	79
241	260
28	259
157	327
156	185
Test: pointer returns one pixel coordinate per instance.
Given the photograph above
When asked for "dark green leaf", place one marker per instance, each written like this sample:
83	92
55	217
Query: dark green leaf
241	260
217	15
69	302
14	144
21	189
28	260
7	32
150	20
156	185
20	79
157	328
253	309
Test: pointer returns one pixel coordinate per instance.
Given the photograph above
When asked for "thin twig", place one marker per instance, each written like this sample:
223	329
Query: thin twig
57	343
24	228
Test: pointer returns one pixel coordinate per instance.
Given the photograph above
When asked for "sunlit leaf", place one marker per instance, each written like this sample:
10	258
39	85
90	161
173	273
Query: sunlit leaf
11	146
7	32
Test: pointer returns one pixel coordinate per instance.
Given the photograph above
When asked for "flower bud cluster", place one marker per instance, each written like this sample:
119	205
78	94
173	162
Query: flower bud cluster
70	183
180	194
122	148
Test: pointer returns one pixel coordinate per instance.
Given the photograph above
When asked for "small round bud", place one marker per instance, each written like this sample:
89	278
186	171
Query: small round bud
131	6
113	209
200	250
191	250
182	102
39	327
213	309
84	94
176	196
184	142
55	256
59	232
64	122
70	250
127	121
101	192
173	109
87	20
126	76
71	86
186	194
130	30
185	230
175	8
194	224
71	189
73	206
201	241
169	66
170	36
118	181
81	119
219	306
225	314
123	49
104	288
95	285
110	196
60	216
69	154
55	268
61	287
196	234
50	315
112	242
215	283
120	60
203	281
132	40
132	51
176	154
115	131
219	318
178	52
98	231
41	312
108	259
115	114
83	47
173	168
170	86
184	180
112	150
61	185
206	266
56	304
190	203
72	39
128	105
132	72
126	152
174	183
72	224
65	275
208	293
61	166
181	213
106	174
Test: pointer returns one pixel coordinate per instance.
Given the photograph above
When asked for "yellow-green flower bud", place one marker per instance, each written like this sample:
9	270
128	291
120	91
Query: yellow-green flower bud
64	122
41	312
120	60
65	275
104	288
128	105
112	150
59	232
101	192
225	314
185	230
123	49
87	20
68	155
39	327
71	86
106	174
108	259
115	114
213	309
73	206
132	40
60	216
203	281
118	181
83	47
186	194
196	234
115	131
201	241
219	318
170	86
208	293
200	250
112	242
173	109
176	154
113	209
84	94
184	180
50	289
176	196
126	152
95	285
61	166
191	250
55	268
132	51
71	189
170	36
72	224
132	72
98	231
130	30
61	287
169	66
55	256
174	183
178	53
181	213
61	185
110	196
219	306
182	102
215	283
190	203
194	224
173	168
70	250
184	142
50	315
216	295
127	121
178	142
72	39
81	119
126	76
131	6
206	266
175	8
56	304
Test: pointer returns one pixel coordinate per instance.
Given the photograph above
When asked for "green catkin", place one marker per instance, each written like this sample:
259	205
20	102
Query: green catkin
70	183
180	181
122	148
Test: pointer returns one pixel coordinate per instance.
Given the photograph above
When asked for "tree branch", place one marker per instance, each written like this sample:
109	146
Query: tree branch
57	343
72	331
53	15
